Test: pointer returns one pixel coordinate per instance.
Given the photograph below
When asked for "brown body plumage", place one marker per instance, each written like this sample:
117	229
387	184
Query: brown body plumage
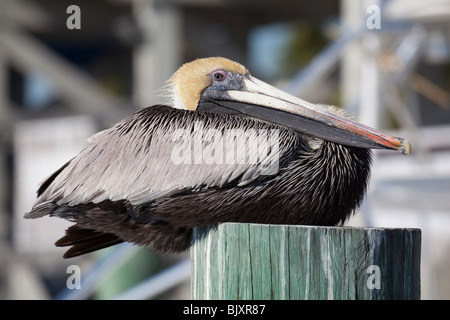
125	185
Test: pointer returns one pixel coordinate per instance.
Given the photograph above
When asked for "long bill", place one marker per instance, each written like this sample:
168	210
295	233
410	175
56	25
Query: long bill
261	100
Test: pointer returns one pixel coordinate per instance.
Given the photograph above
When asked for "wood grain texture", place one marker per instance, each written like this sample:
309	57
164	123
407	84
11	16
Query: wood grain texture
260	261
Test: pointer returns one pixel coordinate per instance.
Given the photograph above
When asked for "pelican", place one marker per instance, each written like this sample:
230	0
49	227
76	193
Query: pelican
157	174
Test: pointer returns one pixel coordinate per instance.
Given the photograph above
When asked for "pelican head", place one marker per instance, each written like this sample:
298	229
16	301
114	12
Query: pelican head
221	85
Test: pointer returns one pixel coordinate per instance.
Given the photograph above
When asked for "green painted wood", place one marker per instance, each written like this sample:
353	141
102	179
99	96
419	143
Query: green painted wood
259	261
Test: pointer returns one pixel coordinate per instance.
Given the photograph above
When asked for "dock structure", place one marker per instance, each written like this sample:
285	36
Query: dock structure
285	262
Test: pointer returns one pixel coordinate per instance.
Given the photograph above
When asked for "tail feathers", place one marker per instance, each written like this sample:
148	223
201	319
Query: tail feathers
51	209
41	209
85	240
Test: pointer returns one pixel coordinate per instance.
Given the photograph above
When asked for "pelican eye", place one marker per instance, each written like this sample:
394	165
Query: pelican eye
218	75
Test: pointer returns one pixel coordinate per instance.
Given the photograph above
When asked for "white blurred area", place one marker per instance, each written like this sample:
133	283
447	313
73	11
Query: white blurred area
57	88
40	147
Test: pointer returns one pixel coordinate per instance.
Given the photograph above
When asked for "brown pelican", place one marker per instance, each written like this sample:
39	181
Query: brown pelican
149	181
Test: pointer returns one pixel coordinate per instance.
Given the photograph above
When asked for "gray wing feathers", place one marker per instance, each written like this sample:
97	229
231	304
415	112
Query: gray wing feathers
134	161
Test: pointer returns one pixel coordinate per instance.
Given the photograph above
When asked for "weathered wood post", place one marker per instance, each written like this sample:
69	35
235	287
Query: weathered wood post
256	261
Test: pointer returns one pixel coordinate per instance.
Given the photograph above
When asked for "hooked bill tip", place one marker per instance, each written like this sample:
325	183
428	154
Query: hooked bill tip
405	147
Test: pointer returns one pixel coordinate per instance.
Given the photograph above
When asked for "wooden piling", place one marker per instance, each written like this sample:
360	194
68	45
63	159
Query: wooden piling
256	261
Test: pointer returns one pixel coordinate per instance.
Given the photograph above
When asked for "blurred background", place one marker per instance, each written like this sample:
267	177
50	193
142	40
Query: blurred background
68	72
